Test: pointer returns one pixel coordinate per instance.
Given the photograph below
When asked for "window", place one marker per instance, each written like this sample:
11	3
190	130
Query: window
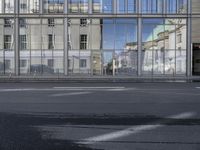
51	22
22	22
9	6
53	6
76	6
176	6
102	6
83	22
7	41
23	6
50	63
83	41
23	42
152	6
7	64
7	22
23	63
126	6
50	41
34	7
179	38
83	63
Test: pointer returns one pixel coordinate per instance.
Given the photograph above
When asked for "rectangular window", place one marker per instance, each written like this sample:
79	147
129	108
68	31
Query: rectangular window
51	22
7	41
152	6
7	22
9	6
179	38
23	63
83	63
23	42
83	41
83	22
126	6
76	6
7	64
50	63
50	41
22	22
102	6
53	6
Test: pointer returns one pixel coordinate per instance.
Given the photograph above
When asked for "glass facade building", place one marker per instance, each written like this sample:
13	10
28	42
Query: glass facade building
100	37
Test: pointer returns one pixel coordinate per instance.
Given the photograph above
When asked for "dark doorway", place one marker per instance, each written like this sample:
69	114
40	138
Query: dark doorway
196	59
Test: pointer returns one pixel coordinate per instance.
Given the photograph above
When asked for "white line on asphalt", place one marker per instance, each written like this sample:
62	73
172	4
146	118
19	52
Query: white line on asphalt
198	87
70	94
131	130
89	87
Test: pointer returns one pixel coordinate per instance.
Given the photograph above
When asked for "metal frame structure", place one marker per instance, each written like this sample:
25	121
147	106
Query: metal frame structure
138	15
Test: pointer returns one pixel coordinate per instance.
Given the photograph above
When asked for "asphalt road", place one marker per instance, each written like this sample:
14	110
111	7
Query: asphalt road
99	116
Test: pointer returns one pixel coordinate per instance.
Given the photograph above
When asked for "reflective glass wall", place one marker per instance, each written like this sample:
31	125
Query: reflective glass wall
164	46
29	6
105	45
41	46
7	60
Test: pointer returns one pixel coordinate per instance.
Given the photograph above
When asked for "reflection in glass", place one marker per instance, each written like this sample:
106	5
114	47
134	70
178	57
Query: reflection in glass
9	6
102	6
126	6
53	6
152	6
78	6
164	46
176	6
29	6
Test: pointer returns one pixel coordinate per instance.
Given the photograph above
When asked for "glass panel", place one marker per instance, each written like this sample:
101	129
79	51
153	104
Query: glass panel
176	6
152	6
29	6
53	6
9	6
108	62
102	6
164	47
76	6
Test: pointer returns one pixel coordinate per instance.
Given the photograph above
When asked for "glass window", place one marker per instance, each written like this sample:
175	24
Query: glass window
176	6
51	22
50	41
53	6
8	22
83	63
23	42
152	6
7	41
102	6
29	6
9	6
164	46
78	6
126	6
23	63
83	41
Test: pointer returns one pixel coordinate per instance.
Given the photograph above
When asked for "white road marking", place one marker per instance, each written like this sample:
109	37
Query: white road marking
69	94
198	87
89	87
131	130
64	89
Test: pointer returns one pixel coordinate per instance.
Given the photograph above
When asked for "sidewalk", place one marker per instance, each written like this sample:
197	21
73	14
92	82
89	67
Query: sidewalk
99	79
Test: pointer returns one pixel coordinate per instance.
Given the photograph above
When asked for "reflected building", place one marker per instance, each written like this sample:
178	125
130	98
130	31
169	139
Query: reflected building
99	37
